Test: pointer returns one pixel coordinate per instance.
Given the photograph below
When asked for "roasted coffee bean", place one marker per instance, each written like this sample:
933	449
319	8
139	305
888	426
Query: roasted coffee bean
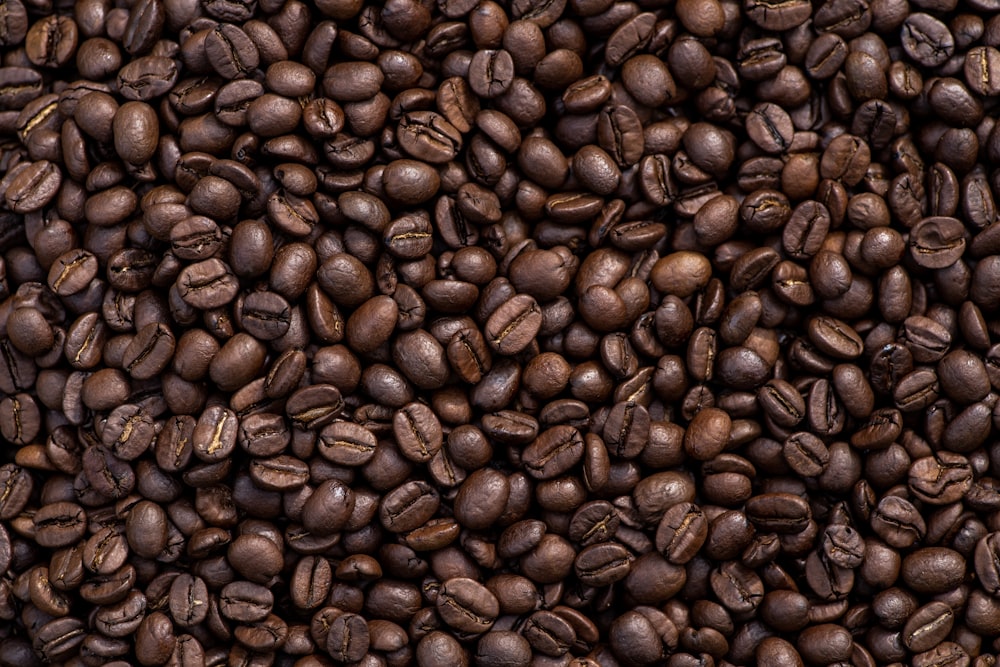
129	432
928	627
513	325
135	129
346	443
207	284
231	52
553	452
682	532
834	337
708	434
932	569
737	587
33	187
806	454
549	633
279	473
188	600
214	436
843	546
926	39
937	242
59	638
778	512
418	432
315	406
329	507
602	564
467	606
898	522
148	77
59	524
245	602
408	507
596	521
349	638
72	272
939	480
150	351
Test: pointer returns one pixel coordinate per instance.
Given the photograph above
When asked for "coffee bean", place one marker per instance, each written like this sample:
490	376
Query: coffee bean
737	587
835	338
981	68
481	498
59	524
513	325
135	129
206	285
279	473
349	638
927	40
408	507
928	626
553	452
681	532
329	507
347	443
897	522
245	602
806	454
188	600
778	512
418	432
467	606
59	638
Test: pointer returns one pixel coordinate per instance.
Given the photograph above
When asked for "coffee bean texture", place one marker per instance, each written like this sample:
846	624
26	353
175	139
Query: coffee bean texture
499	333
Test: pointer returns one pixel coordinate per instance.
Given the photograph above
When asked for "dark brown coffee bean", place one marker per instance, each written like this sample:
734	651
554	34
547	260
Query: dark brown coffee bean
245	602
843	546
467	606
346	443
553	452
72	272
408	507
806	454
59	638
428	136
514	324
188	600
33	187
59	524
681	533
279	473
927	40
207	284
781	16
928	627
707	434
897	522
835	337
149	352
481	498
418	432
349	638
937	242
491	73
737	587
778	512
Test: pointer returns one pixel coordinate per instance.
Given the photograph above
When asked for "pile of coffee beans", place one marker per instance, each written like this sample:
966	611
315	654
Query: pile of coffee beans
499	333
